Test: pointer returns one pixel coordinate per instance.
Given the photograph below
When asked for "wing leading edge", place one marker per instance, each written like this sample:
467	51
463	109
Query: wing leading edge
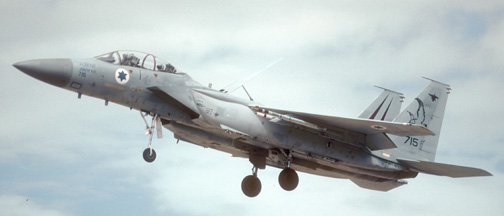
176	97
365	126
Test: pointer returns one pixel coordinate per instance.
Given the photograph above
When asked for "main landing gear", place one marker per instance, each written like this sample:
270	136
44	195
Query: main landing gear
251	185
149	154
288	179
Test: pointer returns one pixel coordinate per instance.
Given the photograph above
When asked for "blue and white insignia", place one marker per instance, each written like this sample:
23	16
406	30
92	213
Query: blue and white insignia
122	76
378	127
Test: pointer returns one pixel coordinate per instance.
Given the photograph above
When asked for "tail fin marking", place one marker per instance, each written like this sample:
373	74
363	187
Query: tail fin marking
374	110
427	110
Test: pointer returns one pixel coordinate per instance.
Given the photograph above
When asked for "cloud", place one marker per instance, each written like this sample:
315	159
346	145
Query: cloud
20	205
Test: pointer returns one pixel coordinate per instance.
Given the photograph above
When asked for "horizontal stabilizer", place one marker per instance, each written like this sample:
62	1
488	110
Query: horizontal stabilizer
441	169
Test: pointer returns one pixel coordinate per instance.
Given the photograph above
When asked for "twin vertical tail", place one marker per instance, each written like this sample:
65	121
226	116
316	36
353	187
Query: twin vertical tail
428	110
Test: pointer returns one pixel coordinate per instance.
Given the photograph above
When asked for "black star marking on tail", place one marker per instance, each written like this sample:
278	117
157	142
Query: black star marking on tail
433	97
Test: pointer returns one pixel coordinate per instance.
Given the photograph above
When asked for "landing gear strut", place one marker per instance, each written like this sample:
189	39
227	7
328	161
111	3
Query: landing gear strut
288	178
149	154
251	185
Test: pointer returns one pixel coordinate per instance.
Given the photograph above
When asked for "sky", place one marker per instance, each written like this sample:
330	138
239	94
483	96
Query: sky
60	155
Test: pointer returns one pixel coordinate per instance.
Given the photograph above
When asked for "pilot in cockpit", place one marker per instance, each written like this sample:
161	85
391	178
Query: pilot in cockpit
170	68
130	60
167	68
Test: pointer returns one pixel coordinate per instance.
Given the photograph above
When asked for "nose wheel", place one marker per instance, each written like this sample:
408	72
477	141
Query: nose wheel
149	154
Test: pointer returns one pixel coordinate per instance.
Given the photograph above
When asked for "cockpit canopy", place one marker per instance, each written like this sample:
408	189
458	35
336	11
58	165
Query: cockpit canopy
137	59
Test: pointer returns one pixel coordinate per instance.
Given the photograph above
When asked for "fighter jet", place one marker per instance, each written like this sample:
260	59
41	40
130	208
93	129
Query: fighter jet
378	150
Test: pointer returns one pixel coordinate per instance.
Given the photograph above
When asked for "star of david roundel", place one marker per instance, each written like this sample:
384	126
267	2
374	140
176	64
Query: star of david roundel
378	127
122	76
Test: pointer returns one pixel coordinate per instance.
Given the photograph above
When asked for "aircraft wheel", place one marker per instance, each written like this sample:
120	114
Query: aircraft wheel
288	179
251	186
148	156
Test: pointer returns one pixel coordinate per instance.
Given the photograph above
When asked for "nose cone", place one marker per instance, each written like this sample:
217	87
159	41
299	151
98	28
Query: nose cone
53	71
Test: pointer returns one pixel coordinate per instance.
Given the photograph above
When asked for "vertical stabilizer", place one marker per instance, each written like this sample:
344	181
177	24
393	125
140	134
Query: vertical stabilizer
428	110
385	107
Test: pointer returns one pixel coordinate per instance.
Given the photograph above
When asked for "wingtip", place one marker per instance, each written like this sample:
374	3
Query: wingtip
486	173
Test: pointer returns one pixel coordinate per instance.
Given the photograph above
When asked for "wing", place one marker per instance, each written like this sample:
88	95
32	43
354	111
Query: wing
375	131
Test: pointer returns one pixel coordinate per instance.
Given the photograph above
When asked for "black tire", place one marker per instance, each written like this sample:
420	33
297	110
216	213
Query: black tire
288	179
251	186
147	156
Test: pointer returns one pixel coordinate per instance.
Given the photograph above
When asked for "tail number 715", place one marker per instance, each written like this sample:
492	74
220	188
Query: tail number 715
412	141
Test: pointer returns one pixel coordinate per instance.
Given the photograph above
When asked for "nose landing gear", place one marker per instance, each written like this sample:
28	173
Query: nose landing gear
149	154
